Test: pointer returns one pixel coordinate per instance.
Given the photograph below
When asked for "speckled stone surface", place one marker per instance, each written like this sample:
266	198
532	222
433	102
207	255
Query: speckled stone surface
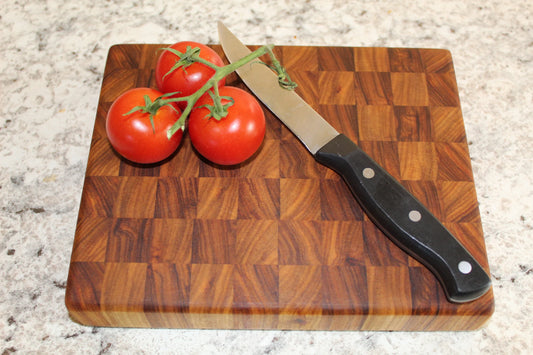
53	55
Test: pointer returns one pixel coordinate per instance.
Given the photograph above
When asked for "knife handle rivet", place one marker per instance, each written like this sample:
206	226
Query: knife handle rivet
368	173
415	216
464	267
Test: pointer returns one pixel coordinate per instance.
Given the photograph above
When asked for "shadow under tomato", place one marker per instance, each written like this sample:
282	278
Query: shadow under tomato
147	169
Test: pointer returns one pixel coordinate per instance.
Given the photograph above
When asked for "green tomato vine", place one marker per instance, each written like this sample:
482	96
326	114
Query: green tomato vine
217	110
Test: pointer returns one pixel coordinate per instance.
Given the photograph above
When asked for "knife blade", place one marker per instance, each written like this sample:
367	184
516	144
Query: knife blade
400	216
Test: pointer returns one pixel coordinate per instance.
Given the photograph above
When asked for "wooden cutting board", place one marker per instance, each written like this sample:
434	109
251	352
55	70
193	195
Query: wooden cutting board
279	242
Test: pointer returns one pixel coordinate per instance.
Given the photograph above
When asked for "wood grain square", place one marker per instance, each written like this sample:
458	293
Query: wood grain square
217	198
171	240
147	78
454	162
336	88
135	197
93	243
300	199
372	88
335	59
256	242
122	296
310	90
394	282
167	287
414	123
85	293
296	163
436	60
447	124
459	201
409	89
120	58
344	287
442	89
264	163
405	60
149	55
255	287
377	123
211	290
300	290
337	202
213	242
166	297
103	161
176	197
273	124
385	154
418	161
300	59
117	82
343	118
130	241
259	199
183	163
99	195
300	243
371	59
379	250
343	243
424	290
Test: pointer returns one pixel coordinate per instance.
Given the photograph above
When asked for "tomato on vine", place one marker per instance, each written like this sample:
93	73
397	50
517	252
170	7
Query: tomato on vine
231	139
137	129
177	72
144	125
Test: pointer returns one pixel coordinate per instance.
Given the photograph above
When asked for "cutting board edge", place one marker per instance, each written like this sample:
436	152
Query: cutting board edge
487	316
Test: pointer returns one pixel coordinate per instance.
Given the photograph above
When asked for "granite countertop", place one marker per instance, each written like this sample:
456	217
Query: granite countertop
53	55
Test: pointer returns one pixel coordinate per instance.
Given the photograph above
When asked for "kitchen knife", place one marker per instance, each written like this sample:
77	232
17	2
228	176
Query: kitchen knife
387	203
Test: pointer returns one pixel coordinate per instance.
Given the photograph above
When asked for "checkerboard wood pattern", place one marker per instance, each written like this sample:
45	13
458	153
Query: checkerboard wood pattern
279	242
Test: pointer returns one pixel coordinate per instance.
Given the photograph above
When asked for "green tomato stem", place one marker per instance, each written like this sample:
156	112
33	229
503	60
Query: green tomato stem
220	73
218	110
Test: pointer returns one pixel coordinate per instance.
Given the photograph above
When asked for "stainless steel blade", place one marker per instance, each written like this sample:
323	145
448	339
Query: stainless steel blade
313	130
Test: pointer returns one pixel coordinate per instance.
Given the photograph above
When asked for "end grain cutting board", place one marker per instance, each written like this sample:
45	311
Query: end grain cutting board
279	242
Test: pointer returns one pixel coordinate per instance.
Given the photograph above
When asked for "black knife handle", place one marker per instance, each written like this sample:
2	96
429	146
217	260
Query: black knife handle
406	221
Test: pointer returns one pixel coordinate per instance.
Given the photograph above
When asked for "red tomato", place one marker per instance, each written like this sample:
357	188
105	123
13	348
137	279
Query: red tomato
234	138
185	80
132	135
